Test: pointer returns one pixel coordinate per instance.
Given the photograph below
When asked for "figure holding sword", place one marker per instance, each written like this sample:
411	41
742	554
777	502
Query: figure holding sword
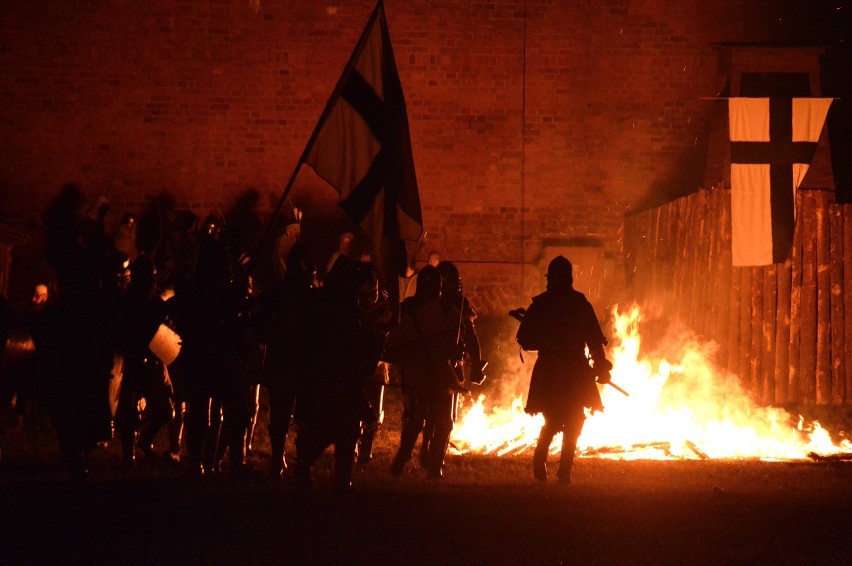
560	324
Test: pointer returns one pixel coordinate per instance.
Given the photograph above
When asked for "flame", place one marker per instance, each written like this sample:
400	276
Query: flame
676	409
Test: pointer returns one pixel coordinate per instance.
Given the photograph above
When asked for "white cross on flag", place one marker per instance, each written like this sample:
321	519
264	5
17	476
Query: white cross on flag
773	141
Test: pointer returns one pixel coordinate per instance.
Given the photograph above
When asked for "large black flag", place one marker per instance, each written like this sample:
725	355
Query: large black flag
362	147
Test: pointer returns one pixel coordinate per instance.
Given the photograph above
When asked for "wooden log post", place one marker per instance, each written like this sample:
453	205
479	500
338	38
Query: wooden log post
721	296
822	369
683	259
668	259
734	321
782	329
755	376
808	312
678	250
793	390
745	359
769	322
702	267
838	330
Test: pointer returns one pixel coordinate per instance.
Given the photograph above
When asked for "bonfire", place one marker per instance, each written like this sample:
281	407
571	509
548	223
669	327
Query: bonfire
680	408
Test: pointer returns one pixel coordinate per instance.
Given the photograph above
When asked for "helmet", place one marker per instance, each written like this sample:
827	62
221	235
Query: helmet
450	278
428	283
560	268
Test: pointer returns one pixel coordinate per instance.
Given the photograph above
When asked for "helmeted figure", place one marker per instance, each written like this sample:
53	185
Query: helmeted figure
337	351
377	315
425	345
208	311
141	312
560	323
470	363
453	299
276	329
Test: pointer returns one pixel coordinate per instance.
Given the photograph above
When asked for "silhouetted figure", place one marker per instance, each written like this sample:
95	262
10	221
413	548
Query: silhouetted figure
337	353
180	251
453	299
243	227
377	313
560	323
20	363
75	336
141	312
276	329
241	235
470	363
429	381
208	314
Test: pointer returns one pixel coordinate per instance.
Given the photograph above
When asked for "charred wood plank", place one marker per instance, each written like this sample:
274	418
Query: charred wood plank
770	317
838	330
808	312
793	390
822	369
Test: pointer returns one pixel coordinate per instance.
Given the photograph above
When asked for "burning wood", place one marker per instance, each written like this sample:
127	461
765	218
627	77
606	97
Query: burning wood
684	408
664	447
840	457
691	445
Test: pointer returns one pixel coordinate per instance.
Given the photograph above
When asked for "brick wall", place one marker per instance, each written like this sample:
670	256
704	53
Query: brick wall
525	130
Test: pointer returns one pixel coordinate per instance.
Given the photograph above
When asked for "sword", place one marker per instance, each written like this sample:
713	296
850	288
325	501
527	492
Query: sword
619	389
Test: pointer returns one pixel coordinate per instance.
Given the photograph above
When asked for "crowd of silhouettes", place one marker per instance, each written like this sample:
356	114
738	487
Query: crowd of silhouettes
158	322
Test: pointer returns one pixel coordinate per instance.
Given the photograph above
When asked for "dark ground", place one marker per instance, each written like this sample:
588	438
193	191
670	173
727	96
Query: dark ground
487	510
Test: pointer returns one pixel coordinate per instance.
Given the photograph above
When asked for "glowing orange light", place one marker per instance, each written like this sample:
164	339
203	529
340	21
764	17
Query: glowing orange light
677	409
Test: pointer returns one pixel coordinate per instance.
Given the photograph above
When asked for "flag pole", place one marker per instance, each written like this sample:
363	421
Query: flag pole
347	70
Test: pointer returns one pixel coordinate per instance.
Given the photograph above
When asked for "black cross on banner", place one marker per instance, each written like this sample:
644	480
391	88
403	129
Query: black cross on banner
780	153
362	148
375	113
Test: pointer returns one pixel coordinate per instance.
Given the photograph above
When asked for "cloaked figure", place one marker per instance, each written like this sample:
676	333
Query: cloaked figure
561	323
